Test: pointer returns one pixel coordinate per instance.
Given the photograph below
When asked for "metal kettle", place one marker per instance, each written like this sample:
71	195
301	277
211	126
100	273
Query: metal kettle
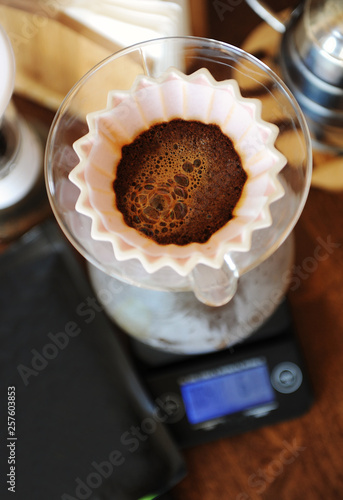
311	63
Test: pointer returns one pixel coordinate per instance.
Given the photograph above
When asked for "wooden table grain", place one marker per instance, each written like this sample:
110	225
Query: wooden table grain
302	458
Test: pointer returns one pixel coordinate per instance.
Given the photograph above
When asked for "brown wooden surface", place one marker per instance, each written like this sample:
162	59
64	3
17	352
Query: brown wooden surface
260	465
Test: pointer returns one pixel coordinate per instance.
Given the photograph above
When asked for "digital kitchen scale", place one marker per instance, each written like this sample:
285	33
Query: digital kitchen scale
259	382
195	398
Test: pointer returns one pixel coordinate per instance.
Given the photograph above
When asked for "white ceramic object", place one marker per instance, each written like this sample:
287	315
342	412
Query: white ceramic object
7	71
24	170
20	169
174	95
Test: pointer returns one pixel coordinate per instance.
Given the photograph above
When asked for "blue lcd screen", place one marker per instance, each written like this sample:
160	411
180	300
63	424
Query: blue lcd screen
222	394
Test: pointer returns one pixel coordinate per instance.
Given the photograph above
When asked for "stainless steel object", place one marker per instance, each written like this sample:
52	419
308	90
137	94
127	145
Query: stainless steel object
311	62
262	10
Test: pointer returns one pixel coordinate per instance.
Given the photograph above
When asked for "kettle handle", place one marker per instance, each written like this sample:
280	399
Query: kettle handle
265	13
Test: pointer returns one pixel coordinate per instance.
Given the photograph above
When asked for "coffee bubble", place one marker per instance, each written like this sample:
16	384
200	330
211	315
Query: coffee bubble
179	181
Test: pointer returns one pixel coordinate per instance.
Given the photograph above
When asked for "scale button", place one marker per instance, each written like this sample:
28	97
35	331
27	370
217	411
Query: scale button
286	377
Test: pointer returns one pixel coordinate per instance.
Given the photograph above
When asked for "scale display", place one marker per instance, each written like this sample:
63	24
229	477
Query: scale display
225	393
226	390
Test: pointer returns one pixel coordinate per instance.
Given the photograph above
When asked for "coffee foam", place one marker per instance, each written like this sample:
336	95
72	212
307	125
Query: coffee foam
179	182
189	97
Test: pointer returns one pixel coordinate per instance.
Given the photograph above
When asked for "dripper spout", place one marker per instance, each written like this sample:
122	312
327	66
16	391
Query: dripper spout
215	287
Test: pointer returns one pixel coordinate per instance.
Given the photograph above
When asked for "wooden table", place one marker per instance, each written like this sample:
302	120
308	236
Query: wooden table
302	458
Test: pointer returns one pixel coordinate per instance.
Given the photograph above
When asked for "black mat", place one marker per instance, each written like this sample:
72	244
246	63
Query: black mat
84	426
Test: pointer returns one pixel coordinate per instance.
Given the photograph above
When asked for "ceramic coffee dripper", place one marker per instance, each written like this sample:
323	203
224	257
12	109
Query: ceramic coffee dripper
311	64
164	308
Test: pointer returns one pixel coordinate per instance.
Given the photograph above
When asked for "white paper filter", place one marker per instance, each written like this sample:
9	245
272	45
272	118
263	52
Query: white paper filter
191	97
